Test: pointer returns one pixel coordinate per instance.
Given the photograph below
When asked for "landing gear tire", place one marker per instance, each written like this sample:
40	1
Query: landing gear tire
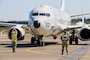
42	43
55	37
32	40
76	40
70	41
38	43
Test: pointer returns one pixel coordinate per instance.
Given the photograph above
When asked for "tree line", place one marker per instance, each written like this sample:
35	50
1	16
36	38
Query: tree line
86	20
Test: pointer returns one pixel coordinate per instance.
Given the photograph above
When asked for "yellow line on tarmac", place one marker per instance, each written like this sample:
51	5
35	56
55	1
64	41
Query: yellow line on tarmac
31	50
8	51
47	53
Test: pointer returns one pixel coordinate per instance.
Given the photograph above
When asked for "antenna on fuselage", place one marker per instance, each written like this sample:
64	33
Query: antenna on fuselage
62	8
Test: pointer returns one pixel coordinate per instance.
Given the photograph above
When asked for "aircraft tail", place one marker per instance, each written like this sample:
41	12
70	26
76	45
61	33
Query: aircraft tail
62	8
82	15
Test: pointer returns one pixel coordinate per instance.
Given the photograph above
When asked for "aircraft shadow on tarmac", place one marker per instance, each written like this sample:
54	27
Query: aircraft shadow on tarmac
28	45
35	45
80	44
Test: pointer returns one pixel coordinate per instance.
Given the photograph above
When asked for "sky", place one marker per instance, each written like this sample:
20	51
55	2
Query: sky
18	10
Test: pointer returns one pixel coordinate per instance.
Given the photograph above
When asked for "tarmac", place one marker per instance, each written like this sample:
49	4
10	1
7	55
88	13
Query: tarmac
51	50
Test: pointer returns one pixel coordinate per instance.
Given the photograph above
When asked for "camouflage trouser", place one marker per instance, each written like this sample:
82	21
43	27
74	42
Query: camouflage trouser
64	44
14	44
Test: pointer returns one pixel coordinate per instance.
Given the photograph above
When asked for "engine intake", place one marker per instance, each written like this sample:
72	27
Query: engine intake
20	33
85	34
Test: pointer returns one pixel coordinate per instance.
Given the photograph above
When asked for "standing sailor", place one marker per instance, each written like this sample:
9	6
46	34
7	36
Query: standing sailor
14	39
64	38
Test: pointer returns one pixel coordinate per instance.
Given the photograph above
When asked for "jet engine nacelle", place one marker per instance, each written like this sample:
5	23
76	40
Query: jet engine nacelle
20	32
84	33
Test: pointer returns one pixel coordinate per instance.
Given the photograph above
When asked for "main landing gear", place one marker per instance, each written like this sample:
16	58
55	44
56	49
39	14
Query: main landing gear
73	37
38	41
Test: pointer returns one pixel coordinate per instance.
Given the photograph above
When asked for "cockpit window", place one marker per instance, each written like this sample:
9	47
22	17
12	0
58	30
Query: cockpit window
47	14
42	14
35	14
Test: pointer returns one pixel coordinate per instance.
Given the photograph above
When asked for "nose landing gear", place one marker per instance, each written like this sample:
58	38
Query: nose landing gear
38	41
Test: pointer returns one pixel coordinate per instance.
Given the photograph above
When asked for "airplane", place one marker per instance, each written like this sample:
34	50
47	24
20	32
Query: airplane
46	21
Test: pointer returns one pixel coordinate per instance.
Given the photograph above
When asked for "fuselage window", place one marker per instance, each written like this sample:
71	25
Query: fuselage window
35	14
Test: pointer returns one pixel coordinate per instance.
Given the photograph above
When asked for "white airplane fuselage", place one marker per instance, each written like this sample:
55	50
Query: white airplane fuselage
46	20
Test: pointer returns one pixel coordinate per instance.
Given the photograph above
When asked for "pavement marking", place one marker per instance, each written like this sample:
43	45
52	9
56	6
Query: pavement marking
8	51
75	55
5	51
45	53
31	50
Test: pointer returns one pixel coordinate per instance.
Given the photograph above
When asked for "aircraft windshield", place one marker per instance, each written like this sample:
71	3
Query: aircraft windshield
41	14
35	14
47	14
44	14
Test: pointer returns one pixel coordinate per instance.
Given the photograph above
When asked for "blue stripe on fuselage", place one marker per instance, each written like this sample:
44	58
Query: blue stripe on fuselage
30	17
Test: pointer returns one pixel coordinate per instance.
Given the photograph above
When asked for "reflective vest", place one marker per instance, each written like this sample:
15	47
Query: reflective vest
14	37
64	37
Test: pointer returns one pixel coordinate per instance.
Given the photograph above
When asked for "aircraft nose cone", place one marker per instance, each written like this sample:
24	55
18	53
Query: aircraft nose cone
36	24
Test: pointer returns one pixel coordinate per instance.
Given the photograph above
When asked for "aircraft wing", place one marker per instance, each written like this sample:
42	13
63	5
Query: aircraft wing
12	24
88	25
73	27
76	26
79	15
